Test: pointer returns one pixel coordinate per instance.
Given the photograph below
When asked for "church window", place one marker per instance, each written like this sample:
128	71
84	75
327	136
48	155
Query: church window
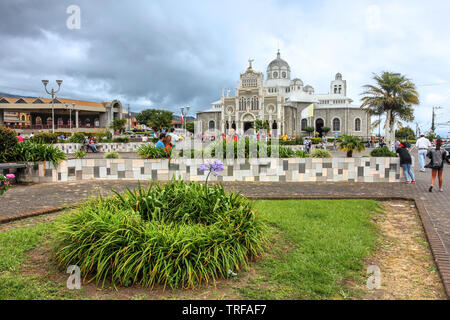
242	104
304	124
254	103
275	74
284	74
336	124
357	124
212	125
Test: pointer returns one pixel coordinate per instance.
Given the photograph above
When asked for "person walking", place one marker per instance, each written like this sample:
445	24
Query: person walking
405	163
19	137
422	144
436	164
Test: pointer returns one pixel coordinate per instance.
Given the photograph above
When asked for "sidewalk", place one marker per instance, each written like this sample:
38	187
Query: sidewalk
24	201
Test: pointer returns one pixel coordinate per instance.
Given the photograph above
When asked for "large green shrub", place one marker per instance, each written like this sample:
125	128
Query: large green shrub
320	153
77	137
301	154
103	135
382	152
45	137
79	154
112	155
296	141
8	142
175	234
121	140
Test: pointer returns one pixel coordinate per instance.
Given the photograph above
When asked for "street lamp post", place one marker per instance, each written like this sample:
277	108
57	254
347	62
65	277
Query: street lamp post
182	117
70	114
53	94
185	120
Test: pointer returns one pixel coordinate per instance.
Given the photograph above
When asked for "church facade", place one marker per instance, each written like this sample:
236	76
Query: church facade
281	101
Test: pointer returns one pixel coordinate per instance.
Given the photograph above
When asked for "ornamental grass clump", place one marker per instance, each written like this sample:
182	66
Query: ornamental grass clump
175	234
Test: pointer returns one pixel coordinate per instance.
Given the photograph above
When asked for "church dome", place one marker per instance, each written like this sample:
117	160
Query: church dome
278	63
278	69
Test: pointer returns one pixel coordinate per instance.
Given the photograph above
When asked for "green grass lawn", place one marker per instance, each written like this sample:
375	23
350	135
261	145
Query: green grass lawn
320	243
317	247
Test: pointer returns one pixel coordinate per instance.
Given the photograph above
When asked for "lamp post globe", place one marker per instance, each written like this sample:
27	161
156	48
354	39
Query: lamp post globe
52	93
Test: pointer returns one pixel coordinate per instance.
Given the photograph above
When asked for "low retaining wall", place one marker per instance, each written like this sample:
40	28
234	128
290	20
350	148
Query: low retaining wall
70	148
265	169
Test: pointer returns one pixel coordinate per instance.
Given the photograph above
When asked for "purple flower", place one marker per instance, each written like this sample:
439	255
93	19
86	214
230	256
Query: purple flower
212	166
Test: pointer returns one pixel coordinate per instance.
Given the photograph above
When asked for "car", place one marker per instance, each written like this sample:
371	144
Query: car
446	147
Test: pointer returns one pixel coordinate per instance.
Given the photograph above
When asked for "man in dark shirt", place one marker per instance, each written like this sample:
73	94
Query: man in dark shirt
405	163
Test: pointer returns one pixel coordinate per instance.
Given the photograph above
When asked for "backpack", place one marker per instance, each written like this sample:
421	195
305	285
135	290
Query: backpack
436	159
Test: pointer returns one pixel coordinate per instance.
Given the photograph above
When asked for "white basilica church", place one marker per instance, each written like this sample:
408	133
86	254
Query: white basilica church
280	100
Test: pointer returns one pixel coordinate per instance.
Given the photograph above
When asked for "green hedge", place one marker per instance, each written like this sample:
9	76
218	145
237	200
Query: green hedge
121	140
382	152
45	137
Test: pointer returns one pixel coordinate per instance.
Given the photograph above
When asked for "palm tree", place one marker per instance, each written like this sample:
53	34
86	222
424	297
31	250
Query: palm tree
394	95
350	144
262	125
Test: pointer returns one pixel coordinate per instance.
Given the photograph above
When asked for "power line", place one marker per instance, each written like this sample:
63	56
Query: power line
433	84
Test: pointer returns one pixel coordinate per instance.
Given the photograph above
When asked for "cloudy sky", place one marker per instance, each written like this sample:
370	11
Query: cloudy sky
165	54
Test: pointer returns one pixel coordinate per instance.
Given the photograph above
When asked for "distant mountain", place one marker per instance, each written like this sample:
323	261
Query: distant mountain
9	95
188	118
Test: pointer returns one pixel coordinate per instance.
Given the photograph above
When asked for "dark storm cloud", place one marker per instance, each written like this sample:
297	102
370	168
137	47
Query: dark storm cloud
165	52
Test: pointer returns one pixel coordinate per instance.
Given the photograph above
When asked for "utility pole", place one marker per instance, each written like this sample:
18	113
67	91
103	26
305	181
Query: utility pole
417	130
433	127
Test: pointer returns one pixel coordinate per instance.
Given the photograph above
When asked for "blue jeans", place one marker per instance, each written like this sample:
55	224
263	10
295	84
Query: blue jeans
422	158
408	172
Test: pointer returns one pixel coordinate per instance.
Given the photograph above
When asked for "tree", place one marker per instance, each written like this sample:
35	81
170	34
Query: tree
118	125
190	126
310	130
350	144
325	130
405	133
394	95
155	118
431	136
262	125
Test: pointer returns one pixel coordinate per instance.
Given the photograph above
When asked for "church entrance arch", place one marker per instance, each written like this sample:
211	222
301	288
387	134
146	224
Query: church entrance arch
248	122
319	125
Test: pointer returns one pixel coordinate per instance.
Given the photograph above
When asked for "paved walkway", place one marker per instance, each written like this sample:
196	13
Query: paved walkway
23	201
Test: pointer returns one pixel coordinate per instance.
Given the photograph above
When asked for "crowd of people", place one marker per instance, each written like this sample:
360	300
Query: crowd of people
436	156
167	139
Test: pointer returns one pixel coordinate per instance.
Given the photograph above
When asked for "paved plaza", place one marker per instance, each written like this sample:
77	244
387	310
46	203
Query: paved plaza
24	201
